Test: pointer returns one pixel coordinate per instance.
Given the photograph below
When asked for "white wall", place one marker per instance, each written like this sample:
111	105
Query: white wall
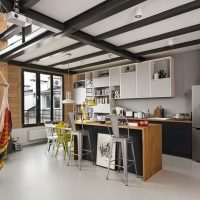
187	73
22	133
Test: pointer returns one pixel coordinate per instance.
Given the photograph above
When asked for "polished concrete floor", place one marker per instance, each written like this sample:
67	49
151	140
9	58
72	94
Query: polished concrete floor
32	175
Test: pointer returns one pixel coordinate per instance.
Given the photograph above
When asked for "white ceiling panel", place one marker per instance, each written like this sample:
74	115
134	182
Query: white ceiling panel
163	43
62	57
63	10
46	47
107	65
171	24
175	51
149	8
17	40
87	61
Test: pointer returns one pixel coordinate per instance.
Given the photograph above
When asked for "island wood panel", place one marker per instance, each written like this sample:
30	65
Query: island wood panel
151	146
152	151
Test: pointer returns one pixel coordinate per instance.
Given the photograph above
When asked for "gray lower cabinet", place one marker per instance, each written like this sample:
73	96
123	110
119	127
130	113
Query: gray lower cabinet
128	85
143	80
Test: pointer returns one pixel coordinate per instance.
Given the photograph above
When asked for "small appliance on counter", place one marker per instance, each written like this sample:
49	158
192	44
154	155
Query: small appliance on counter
119	111
129	113
139	115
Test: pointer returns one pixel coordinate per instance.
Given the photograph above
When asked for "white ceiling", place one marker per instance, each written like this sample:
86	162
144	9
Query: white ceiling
63	10
174	23
149	8
46	47
175	51
163	43
62	57
87	61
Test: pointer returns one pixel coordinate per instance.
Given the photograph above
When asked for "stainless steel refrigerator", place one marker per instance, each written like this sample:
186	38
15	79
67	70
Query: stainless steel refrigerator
196	122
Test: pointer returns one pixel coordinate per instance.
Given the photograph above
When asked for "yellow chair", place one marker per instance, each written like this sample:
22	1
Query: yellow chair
63	137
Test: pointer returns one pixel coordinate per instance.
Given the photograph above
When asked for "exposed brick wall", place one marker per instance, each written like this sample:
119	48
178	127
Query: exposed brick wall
13	75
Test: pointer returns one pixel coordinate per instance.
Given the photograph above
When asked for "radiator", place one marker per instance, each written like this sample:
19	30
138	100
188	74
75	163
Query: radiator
36	134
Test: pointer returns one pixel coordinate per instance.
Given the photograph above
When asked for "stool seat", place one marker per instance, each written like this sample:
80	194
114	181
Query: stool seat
121	138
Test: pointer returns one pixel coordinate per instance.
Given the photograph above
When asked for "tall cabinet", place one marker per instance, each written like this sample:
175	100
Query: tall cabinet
143	80
128	81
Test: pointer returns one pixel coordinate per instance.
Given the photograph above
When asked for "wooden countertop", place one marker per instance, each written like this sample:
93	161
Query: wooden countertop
168	120
120	126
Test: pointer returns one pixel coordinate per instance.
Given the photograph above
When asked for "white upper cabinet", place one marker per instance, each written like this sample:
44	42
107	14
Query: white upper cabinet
114	76
143	79
101	78
162	77
128	82
149	79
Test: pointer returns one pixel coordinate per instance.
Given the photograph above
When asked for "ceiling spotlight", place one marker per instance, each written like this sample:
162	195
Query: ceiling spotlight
138	12
170	42
109	56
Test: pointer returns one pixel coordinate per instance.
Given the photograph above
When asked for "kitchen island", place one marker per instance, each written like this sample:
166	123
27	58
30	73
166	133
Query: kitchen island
147	144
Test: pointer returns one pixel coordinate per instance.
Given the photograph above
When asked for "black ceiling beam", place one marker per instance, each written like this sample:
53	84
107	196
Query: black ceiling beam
105	46
152	19
80	36
15	31
9	30
92	55
21	48
99	12
36	67
27	4
44	21
97	63
24	5
162	36
167	48
64	49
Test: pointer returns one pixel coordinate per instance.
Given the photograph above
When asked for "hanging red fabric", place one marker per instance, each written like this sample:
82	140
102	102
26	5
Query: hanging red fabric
5	137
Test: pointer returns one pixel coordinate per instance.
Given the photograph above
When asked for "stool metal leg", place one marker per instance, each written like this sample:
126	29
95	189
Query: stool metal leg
133	152
124	154
119	156
79	149
110	156
90	148
70	149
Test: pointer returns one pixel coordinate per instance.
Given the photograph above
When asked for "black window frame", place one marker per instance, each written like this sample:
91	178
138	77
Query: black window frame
38	96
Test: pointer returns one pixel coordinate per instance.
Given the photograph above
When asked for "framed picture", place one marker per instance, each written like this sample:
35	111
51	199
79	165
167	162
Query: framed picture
104	149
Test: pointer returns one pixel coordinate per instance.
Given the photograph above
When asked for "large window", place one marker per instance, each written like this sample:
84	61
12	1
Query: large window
42	96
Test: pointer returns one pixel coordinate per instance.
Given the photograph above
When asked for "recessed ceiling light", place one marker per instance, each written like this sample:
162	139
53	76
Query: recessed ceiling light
138	12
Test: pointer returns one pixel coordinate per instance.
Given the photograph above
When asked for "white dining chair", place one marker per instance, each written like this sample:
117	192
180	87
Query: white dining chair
51	136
